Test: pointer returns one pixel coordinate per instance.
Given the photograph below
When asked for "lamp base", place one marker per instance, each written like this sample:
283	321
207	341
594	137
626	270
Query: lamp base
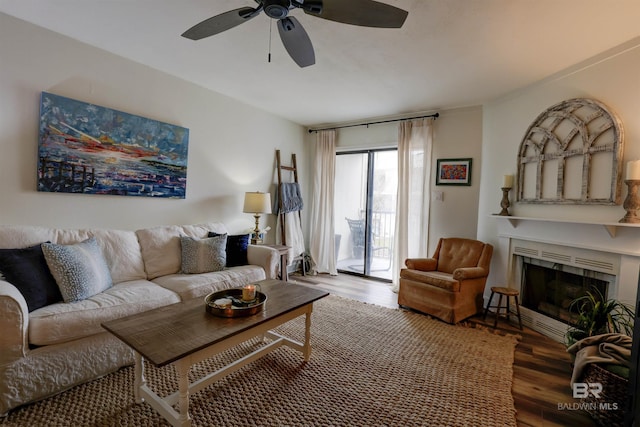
256	240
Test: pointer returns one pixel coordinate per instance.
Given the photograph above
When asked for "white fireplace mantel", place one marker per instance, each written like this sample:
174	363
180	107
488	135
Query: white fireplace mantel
611	227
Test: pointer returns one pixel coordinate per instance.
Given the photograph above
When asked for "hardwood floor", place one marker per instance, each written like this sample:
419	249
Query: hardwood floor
541	370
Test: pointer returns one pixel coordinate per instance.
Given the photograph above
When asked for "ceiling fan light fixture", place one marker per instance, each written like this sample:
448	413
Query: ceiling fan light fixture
276	9
364	13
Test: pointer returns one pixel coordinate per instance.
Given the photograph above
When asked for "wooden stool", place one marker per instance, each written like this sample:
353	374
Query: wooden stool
508	292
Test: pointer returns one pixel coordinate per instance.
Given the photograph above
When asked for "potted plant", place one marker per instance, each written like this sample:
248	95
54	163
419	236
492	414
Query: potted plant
593	315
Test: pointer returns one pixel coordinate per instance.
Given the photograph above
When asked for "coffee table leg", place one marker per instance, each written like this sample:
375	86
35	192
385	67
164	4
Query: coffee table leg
139	379
307	335
183	390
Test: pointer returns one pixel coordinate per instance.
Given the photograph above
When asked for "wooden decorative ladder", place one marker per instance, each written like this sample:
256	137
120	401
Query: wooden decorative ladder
293	168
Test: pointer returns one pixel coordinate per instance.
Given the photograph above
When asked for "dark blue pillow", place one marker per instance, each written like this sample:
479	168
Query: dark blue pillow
27	270
236	249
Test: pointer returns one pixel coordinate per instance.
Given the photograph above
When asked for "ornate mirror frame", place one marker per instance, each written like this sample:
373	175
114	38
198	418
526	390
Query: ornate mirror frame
571	131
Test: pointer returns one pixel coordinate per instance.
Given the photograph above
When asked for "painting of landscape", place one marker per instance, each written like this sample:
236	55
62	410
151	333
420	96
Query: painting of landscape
85	148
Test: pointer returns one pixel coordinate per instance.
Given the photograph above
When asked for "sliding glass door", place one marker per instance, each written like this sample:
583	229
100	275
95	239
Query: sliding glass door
365	202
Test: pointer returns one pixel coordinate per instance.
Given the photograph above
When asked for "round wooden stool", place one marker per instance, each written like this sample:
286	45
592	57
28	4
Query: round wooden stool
507	292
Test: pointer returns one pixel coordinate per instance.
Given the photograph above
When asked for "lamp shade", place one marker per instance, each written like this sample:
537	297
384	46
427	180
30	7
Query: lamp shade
257	202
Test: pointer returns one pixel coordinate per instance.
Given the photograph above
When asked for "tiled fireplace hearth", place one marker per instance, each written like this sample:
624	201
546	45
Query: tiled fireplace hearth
561	252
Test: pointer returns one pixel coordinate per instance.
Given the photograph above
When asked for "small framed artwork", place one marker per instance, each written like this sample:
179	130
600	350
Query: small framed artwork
453	172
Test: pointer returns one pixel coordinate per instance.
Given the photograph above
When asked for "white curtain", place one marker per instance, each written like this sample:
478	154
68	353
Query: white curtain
322	233
412	210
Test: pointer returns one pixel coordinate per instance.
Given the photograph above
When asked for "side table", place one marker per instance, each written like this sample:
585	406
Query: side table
507	292
284	260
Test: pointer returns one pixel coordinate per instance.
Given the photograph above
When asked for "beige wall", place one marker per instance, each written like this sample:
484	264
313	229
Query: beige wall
612	78
231	145
457	134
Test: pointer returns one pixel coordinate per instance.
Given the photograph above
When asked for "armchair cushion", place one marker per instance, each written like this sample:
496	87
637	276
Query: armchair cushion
434	278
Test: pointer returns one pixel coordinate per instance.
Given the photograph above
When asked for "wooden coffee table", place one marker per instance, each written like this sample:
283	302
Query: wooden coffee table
185	333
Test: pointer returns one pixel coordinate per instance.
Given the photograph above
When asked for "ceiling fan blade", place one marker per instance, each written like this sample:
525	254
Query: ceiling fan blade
296	40
220	23
365	13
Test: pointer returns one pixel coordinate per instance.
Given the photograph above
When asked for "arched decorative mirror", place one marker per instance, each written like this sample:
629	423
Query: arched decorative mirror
572	154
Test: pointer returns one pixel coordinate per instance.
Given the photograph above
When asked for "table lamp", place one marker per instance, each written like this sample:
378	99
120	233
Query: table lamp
257	203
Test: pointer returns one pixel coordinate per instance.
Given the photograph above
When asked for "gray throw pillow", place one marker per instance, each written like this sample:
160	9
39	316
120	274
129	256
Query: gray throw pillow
80	269
203	255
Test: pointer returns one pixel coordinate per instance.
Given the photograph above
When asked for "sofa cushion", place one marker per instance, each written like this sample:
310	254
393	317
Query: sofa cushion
22	236
63	322
27	270
120	247
122	252
237	246
203	255
199	285
433	278
160	246
80	269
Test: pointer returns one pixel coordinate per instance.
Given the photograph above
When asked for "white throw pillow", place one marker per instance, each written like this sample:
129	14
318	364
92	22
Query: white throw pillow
80	269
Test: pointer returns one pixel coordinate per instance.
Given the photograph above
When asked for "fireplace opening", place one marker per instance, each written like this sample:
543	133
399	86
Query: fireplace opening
549	288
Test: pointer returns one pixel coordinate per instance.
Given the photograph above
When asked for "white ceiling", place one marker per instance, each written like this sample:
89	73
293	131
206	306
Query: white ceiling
449	53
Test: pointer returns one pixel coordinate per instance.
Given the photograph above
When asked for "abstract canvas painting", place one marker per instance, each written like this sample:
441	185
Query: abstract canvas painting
85	148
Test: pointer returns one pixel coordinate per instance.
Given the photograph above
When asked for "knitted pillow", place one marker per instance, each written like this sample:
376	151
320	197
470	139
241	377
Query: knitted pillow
80	269
203	255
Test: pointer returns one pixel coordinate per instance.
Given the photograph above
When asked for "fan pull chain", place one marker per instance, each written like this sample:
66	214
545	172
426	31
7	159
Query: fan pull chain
270	27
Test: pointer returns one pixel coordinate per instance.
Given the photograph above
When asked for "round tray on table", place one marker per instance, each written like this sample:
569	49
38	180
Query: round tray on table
239	307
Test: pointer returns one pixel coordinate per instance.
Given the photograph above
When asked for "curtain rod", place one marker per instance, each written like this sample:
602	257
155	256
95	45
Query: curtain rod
435	116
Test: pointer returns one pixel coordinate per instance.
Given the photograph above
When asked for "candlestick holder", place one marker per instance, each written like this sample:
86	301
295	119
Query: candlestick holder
631	202
504	203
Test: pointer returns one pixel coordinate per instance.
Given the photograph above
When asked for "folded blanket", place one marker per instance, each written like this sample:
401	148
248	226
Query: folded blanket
290	197
607	348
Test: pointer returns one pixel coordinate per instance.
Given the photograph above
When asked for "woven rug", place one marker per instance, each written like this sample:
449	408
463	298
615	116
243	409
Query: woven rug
370	366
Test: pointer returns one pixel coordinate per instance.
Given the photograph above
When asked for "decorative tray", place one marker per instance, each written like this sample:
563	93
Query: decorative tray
234	306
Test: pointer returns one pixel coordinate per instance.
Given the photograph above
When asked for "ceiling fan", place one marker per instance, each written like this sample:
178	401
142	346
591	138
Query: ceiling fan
364	13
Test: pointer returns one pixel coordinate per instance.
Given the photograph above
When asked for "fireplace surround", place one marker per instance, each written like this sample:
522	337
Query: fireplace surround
550	287
606	252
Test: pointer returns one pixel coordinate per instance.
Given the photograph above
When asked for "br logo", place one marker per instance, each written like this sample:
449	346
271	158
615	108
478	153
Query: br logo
582	390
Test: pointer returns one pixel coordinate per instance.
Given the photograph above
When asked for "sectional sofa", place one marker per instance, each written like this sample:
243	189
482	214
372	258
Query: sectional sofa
58	345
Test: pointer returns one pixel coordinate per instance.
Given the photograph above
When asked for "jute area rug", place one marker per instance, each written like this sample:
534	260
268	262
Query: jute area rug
370	366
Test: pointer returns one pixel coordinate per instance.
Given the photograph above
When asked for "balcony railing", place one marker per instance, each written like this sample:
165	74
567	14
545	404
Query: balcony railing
382	226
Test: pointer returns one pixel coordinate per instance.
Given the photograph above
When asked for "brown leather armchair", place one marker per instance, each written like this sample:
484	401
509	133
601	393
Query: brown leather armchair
449	285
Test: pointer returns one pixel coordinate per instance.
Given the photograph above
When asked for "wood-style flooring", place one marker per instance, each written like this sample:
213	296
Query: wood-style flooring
542	367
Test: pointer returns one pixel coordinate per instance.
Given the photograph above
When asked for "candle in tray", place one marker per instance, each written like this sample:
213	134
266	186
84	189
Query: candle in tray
249	292
507	181
633	170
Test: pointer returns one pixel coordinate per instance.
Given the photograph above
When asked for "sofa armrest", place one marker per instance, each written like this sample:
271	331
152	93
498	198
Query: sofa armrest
265	257
421	264
469	273
14	323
